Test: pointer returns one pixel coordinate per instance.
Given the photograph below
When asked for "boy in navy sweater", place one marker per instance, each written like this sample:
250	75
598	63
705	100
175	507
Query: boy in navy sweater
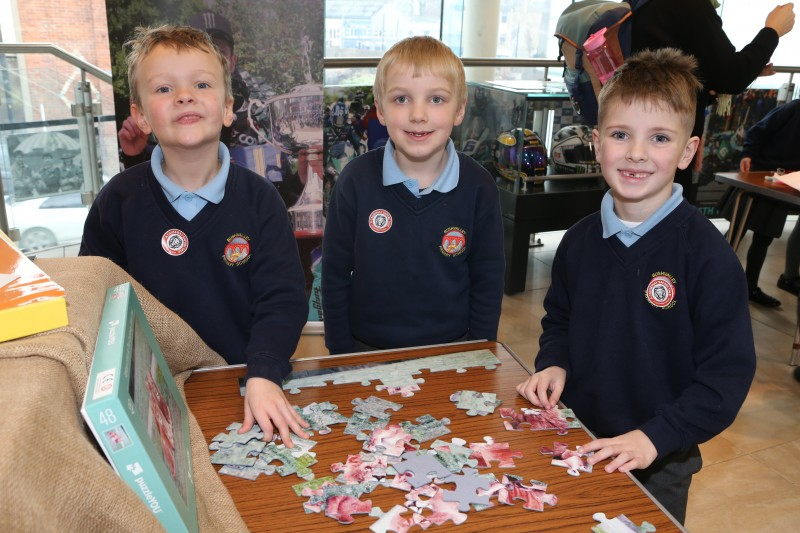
647	335
413	246
210	240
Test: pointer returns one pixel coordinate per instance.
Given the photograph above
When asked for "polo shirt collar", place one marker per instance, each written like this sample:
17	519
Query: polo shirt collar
213	191
444	183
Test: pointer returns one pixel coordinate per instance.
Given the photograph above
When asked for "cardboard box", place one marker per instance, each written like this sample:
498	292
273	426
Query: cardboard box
30	302
136	413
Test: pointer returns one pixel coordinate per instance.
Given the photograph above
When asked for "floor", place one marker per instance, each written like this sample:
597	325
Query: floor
751	472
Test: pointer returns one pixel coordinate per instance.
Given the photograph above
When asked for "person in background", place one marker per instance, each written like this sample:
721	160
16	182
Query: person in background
413	245
641	338
770	144
694	27
211	240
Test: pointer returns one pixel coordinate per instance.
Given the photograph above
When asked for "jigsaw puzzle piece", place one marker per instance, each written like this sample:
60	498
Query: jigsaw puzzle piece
243	472
467	485
291	464
440	510
239	454
375	406
318	498
342	508
427	428
361	424
476	403
321	415
620	524
392	440
312	485
361	468
301	446
227	440
574	461
534	495
420	468
490	450
392	520
454	455
540	419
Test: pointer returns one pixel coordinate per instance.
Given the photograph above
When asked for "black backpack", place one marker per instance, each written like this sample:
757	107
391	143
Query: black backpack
574	26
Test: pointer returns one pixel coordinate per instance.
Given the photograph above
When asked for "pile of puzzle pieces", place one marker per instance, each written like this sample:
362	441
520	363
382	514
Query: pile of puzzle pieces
393	455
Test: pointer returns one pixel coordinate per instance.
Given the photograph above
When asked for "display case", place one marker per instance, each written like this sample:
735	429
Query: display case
525	133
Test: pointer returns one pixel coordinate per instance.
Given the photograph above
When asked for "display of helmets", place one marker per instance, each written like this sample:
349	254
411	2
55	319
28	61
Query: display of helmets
520	153
572	151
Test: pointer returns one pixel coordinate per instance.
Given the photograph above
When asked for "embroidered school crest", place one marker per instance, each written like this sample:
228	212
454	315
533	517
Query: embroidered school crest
174	242
237	250
661	291
380	221
454	242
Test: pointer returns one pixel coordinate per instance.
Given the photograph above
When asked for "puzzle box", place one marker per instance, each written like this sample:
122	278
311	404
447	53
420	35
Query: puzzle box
136	413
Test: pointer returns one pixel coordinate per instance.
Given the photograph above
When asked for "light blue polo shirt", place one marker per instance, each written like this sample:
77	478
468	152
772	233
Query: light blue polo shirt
612	225
186	203
446	181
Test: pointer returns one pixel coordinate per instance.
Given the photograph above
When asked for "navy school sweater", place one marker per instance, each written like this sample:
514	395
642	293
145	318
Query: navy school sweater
656	336
232	273
402	271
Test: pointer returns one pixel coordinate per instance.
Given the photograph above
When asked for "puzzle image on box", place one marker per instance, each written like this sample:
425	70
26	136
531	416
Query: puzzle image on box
540	419
573	461
476	403
620	524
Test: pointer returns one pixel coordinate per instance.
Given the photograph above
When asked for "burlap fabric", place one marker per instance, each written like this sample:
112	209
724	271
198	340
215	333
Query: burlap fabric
54	477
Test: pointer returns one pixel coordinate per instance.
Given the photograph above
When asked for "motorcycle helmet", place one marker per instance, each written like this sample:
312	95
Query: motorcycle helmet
520	153
572	151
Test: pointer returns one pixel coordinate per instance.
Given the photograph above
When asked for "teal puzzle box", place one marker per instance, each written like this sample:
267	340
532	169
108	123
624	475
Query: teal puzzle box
136	413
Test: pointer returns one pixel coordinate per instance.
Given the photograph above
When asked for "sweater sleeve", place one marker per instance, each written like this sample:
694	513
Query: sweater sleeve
486	265
280	308
338	259
99	237
554	340
724	357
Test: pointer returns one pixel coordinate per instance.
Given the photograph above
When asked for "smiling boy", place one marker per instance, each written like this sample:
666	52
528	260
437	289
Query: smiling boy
647	335
210	240
413	245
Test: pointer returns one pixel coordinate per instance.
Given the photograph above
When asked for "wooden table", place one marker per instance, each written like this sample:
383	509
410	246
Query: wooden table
748	184
555	203
269	504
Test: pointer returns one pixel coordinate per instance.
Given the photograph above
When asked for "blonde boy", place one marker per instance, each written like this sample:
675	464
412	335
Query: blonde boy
413	246
212	241
647	335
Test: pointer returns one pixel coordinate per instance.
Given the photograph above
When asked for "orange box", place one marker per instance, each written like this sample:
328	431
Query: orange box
30	302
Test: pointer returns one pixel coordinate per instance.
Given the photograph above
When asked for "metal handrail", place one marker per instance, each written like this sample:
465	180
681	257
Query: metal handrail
45	48
367	62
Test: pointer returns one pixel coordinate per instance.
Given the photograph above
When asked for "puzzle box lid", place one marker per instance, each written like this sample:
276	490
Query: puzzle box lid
137	414
30	302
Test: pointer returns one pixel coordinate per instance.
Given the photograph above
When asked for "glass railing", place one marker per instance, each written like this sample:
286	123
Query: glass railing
57	144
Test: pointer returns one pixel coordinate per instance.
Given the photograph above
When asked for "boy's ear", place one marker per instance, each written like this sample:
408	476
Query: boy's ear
140	119
379	112
460	113
228	115
688	152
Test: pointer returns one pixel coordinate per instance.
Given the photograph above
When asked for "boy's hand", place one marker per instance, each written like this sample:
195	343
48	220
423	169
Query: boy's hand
744	164
132	140
630	451
544	388
265	403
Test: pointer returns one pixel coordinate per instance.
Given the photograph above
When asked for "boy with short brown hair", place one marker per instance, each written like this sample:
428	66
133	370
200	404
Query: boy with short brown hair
647	335
211	240
413	246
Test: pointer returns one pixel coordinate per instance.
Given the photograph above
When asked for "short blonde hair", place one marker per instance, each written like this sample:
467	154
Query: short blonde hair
661	78
425	55
179	38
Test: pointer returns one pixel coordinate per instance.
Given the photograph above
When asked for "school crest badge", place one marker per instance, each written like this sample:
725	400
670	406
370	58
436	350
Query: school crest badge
660	291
